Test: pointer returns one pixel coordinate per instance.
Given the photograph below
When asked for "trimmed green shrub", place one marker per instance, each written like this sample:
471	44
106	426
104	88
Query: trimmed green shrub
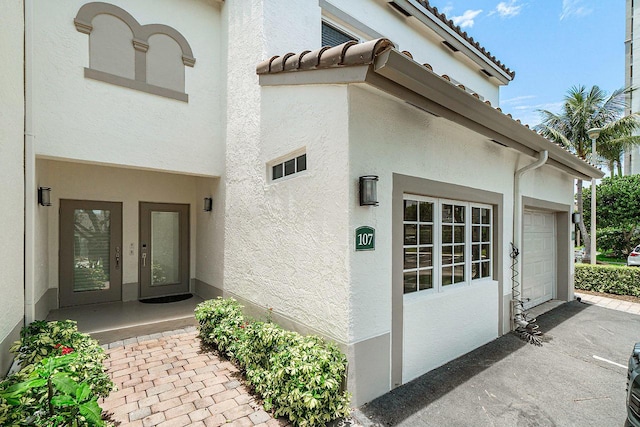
220	322
60	379
299	377
611	279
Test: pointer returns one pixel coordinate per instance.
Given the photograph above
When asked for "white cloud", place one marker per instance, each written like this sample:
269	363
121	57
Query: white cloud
466	19
507	9
517	100
528	112
447	9
573	8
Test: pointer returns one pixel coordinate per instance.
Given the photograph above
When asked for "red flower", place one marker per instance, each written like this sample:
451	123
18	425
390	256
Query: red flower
66	350
57	346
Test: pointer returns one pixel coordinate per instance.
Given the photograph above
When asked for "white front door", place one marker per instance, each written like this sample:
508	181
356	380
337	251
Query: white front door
539	258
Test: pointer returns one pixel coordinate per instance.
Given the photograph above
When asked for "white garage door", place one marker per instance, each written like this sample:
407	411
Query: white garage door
539	258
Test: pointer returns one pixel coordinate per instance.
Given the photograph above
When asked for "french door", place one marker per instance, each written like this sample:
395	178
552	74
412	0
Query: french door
164	249
90	269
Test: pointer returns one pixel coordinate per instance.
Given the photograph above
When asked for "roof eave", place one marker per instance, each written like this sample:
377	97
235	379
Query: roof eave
425	16
451	102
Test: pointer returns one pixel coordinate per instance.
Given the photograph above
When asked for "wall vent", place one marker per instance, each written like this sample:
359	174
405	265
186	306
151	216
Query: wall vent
499	143
451	47
399	8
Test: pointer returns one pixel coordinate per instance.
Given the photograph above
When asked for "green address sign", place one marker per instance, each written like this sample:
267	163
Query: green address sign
365	238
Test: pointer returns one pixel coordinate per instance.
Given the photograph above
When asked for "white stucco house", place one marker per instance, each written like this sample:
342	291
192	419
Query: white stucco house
134	113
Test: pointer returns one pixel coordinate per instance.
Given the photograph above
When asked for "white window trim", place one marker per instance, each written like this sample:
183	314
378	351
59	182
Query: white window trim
438	288
282	159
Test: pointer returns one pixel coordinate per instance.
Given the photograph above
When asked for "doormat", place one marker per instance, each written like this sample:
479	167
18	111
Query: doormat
164	300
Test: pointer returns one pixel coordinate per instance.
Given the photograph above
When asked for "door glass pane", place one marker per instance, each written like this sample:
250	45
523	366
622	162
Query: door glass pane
165	248
91	249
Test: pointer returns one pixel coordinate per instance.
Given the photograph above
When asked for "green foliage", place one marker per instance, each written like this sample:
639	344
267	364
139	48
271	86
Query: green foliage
300	377
619	280
41	338
617	201
60	380
220	323
618	241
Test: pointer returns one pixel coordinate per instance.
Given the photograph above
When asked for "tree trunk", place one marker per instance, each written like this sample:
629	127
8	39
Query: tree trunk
619	169
583	229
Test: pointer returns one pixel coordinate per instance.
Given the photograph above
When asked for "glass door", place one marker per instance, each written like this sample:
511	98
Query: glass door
164	249
90	252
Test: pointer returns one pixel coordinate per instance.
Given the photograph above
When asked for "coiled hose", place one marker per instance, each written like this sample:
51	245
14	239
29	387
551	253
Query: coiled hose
526	328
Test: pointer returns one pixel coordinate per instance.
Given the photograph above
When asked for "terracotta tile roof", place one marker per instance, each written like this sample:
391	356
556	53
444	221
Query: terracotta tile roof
349	53
353	54
465	36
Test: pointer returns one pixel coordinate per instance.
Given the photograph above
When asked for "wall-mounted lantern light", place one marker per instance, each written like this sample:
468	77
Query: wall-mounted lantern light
575	217
208	204
44	196
368	190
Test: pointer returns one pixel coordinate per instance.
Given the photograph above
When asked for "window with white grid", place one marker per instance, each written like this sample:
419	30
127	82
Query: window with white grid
446	243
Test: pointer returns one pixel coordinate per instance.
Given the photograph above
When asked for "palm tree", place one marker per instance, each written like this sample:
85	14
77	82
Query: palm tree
583	110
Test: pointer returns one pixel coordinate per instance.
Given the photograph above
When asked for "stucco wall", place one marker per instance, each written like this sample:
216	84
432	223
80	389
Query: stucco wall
11	174
389	136
289	242
80	118
90	182
209	249
411	35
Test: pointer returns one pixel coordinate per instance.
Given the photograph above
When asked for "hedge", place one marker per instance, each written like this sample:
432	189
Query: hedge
611	279
300	377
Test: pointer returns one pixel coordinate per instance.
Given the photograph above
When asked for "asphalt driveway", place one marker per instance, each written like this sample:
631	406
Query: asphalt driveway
574	379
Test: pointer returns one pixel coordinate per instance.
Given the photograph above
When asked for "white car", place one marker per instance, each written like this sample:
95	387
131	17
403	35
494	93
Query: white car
633	260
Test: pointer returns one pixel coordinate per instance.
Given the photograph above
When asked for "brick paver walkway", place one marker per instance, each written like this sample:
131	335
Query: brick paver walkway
614	304
167	380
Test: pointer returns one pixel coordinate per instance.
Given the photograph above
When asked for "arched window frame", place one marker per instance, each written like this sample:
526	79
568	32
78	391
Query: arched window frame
141	35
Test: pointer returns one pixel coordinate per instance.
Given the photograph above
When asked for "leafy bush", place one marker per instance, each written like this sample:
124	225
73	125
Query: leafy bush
618	202
60	379
618	241
300	377
220	323
610	279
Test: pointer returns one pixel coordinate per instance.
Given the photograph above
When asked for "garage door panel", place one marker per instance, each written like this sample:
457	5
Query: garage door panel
538	257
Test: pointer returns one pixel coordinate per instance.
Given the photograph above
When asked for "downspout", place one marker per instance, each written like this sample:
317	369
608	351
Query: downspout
30	203
516	287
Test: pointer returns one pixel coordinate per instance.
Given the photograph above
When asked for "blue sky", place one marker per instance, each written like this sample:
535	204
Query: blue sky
551	44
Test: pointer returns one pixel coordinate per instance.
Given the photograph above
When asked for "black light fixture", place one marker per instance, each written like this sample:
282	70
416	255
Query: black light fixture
575	217
44	196
208	204
368	190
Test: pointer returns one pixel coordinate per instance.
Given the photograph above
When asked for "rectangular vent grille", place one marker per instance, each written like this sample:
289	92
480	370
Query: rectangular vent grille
499	143
486	73
451	47
399	8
